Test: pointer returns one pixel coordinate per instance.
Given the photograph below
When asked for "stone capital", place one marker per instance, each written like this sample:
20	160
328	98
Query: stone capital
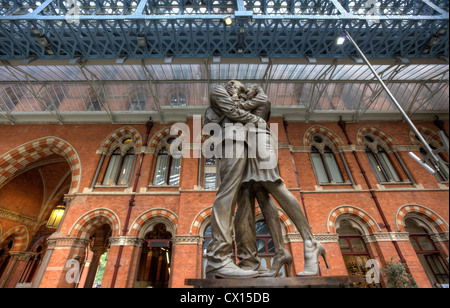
56	240
126	241
187	240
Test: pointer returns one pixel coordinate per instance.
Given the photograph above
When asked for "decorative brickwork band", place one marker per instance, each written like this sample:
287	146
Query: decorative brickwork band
434	220
368	129
199	220
89	222
20	237
119	134
325	132
430	135
368	222
158	137
140	222
28	153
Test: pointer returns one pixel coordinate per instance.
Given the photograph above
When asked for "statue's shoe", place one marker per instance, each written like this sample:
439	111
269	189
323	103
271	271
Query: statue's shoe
231	271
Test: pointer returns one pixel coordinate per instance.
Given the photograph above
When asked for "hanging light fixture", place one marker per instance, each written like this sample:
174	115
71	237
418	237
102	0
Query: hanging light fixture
228	20
55	217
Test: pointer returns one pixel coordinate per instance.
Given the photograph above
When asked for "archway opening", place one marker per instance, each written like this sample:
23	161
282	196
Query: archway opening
428	254
95	258
155	260
354	250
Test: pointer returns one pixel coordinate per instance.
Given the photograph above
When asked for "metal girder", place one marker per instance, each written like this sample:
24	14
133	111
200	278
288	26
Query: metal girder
153	90
58	29
376	90
52	108
92	82
421	99
319	89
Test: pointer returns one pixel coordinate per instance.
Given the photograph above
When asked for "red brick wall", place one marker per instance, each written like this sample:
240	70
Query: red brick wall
186	203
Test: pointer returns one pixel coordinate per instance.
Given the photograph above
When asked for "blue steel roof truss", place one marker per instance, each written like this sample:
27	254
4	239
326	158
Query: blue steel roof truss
57	29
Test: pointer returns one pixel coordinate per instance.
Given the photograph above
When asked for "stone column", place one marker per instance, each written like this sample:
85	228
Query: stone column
16	266
68	253
128	264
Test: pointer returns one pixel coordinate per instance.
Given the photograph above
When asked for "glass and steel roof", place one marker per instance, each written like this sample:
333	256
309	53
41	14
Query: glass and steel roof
133	92
123	61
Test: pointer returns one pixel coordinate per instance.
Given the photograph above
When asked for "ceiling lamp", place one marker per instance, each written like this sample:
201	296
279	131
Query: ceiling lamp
228	20
55	217
340	40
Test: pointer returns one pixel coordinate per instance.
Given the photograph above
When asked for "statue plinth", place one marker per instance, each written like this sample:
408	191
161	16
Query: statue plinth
285	282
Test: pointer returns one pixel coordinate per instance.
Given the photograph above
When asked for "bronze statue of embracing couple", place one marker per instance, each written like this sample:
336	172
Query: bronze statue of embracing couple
242	115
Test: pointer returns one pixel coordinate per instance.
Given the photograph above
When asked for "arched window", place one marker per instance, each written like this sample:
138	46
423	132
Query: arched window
155	261
5	256
211	178
138	102
323	158
94	99
427	252
178	100
441	167
167	168
353	249
120	165
207	236
380	162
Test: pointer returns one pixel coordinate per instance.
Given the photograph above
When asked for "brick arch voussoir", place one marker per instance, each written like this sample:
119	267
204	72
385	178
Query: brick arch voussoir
368	222
199	220
141	221
161	134
90	221
424	131
28	153
119	133
375	131
434	220
21	237
324	131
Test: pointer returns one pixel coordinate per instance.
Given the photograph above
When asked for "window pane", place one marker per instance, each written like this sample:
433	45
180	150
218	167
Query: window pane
426	243
270	246
436	264
375	167
343	244
414	244
126	170
330	159
210	161
161	170
111	171
261	246
210	181
357	245
174	178
261	228
319	167
442	169
389	168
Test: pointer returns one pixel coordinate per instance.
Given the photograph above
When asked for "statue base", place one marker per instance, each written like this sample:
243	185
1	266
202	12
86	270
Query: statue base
285	282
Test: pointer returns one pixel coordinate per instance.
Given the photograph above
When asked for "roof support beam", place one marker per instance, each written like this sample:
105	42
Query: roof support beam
153	90
319	88
101	98
36	94
377	90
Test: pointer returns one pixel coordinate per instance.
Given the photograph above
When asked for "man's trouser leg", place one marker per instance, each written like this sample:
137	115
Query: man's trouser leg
219	251
244	226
